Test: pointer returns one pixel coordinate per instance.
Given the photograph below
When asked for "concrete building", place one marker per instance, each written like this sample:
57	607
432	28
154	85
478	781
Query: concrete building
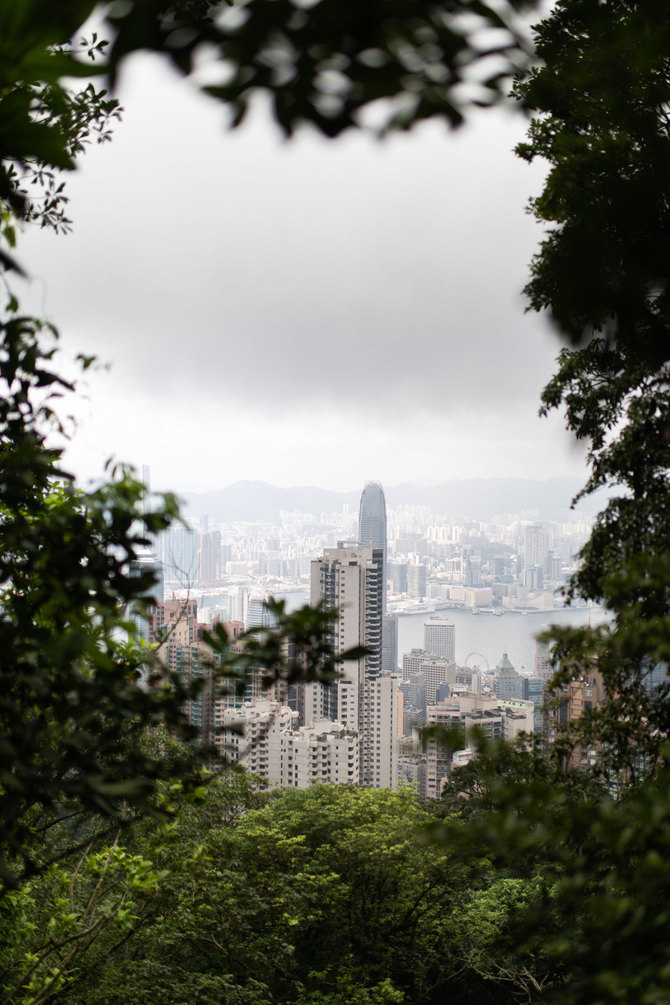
270	746
465	679
412	771
494	718
568	703
173	627
364	700
416	580
379	746
435	669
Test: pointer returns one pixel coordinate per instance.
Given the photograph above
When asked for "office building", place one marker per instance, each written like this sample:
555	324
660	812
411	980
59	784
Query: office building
257	615
439	637
543	660
210	556
532	689
416	581
146	567
397	572
178	550
435	669
372	528
413	690
508	679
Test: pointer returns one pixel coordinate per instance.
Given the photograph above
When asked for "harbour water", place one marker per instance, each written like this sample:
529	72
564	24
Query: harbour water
483	635
483	638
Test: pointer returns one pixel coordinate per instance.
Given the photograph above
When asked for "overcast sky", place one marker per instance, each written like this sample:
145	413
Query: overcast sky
309	312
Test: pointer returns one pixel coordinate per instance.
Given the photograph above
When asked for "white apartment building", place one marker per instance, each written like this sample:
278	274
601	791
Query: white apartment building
365	700
379	754
495	718
271	747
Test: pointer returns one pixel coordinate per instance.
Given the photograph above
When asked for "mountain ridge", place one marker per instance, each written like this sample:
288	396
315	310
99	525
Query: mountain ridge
473	498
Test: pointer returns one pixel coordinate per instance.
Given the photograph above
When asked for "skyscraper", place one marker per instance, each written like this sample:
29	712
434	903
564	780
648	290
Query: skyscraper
534	545
372	534
372	526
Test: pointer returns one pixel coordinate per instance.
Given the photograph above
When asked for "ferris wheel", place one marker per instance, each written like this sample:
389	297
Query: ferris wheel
477	666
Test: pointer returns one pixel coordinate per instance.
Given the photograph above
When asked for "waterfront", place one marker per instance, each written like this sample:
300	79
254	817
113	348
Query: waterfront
482	634
489	636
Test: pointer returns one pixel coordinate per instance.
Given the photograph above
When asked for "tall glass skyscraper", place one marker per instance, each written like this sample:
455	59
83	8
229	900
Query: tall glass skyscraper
372	526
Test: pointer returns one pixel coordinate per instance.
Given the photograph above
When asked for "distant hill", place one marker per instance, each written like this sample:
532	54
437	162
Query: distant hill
258	501
476	498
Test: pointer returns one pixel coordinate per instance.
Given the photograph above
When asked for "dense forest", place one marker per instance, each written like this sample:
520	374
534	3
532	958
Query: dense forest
129	872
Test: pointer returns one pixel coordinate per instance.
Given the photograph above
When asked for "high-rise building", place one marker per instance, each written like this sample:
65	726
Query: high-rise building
372	527
390	643
439	637
364	699
398	574
532	689
178	549
508	681
210	556
257	615
416	580
436	670
145	566
534	545
413	689
173	627
543	662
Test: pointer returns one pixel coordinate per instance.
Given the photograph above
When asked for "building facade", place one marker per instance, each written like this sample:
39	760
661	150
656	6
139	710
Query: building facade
364	699
372	527
439	637
492	717
272	746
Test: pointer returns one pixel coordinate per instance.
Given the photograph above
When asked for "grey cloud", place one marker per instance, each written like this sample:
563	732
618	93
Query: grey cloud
360	276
